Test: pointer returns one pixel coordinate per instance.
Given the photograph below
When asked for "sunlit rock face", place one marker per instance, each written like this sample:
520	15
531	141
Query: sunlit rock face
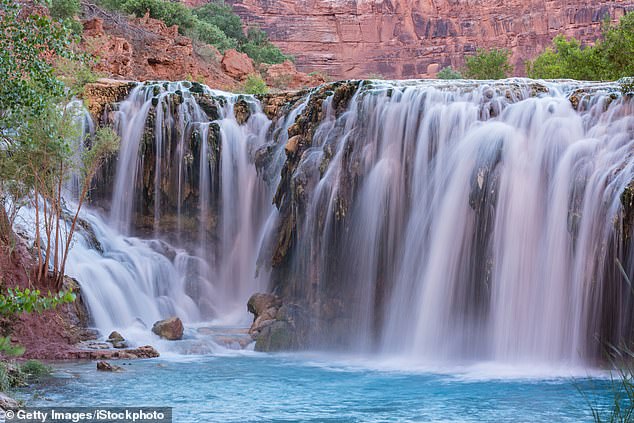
408	39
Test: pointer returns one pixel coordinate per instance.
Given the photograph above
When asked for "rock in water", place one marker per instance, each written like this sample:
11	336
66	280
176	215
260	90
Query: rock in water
171	328
264	308
104	366
277	326
117	340
8	403
115	336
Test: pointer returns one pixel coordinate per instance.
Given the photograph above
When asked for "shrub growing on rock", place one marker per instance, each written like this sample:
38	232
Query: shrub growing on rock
254	84
448	73
488	64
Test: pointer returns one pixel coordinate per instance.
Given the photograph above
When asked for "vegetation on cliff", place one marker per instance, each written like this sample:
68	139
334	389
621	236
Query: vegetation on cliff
488	64
485	64
610	58
40	137
214	23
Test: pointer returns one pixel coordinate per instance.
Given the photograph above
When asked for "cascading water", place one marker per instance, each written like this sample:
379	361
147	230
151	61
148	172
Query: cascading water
433	221
469	222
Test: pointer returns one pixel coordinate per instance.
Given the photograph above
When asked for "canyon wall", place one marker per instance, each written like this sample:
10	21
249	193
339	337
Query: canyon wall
415	38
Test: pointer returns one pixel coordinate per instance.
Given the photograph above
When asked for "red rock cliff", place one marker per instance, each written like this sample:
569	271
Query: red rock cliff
413	38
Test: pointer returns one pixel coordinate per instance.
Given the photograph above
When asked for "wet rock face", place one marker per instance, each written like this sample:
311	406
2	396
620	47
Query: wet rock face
291	193
242	111
404	39
277	326
104	92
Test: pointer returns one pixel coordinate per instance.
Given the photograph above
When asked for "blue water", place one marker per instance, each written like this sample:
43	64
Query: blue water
251	387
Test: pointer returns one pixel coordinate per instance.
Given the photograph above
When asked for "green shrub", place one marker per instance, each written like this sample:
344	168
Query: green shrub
254	84
211	34
166	11
13	374
565	59
17	300
34	369
488	64
64	9
448	73
264	53
260	49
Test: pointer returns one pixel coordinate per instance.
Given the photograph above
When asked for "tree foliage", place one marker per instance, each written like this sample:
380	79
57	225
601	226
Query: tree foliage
28	80
64	9
610	58
488	64
221	16
39	134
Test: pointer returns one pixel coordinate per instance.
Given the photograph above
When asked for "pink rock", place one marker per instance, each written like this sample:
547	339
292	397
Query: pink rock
237	65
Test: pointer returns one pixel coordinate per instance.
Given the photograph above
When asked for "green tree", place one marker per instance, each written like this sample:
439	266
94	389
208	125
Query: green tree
610	57
221	15
448	73
488	64
37	130
566	59
211	34
28	84
169	12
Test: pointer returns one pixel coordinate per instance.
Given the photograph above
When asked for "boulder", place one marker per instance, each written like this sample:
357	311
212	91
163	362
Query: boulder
8	403
171	329
278	336
115	336
237	65
292	144
264	308
104	366
117	340
277	326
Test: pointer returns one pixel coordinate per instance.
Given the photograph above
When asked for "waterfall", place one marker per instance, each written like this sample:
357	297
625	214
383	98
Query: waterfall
436	221
469	221
183	228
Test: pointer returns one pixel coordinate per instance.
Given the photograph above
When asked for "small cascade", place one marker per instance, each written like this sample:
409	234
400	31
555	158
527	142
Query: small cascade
187	214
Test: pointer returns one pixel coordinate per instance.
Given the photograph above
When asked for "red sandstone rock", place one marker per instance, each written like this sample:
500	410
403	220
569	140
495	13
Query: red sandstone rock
237	65
406	39
286	76
146	49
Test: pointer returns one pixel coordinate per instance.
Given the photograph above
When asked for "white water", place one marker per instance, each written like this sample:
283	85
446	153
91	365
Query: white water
480	222
485	220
